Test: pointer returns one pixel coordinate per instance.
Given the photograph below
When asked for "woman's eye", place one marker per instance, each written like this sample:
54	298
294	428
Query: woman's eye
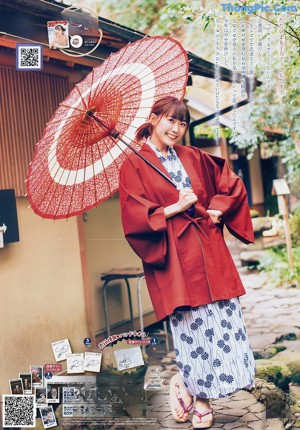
183	124
171	119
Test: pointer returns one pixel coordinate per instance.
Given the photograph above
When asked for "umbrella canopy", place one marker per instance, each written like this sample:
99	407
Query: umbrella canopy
76	163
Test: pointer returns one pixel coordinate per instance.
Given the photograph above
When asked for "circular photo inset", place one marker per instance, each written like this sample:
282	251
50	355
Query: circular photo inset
76	41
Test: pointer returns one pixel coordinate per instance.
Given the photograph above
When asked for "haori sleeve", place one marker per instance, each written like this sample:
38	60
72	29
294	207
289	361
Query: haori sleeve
229	197
144	222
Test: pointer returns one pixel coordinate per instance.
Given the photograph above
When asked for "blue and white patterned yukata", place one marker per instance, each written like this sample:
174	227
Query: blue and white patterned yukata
211	344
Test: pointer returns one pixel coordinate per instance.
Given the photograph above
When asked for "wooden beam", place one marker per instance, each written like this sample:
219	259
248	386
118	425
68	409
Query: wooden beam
74	76
9	42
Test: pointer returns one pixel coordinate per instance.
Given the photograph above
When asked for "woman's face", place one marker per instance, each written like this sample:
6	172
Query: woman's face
167	131
58	31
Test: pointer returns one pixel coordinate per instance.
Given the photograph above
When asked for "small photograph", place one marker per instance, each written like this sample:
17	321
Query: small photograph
76	41
75	363
52	393
27	382
37	375
58	34
61	349
92	361
16	386
48	417
41	397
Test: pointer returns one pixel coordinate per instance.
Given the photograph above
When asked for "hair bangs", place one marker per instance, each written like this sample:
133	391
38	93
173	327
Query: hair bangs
179	111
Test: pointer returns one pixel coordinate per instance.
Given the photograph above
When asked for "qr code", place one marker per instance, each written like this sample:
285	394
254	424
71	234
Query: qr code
29	57
19	411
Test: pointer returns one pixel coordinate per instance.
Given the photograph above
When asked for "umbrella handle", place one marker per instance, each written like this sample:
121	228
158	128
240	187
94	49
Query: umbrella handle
116	135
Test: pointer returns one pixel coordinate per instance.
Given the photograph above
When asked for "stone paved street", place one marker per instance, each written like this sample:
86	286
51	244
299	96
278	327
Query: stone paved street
240	411
270	315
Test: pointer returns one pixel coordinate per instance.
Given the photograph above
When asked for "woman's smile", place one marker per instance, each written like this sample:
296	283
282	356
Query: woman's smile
167	131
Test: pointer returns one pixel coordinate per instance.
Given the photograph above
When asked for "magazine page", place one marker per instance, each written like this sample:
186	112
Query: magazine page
58	34
149	214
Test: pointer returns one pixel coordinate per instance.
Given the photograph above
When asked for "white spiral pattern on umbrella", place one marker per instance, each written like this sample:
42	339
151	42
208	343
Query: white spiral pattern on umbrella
70	177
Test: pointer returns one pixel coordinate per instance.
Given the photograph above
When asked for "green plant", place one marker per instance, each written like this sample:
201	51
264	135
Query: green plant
276	263
295	226
210	131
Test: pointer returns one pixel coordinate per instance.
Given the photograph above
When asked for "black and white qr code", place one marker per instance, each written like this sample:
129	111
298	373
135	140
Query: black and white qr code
19	411
29	57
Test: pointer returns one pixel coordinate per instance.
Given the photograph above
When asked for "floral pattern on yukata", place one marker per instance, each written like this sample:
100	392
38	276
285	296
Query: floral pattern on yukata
212	349
173	166
211	344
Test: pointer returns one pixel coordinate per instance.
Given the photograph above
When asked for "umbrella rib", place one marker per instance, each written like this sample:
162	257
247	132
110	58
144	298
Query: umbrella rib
111	57
80	158
60	199
109	151
150	88
64	133
82	197
52	172
90	87
38	178
72	107
140	155
129	81
79	92
57	182
104	169
132	59
94	176
73	188
68	127
51	123
65	186
116	141
125	78
76	174
162	74
45	192
106	64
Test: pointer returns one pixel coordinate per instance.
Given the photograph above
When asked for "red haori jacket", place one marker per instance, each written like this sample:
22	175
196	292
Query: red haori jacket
186	260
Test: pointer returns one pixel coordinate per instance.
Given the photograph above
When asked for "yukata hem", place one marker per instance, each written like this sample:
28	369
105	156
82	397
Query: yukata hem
232	391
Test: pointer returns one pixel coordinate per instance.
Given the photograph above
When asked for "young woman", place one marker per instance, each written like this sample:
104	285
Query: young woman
189	271
59	40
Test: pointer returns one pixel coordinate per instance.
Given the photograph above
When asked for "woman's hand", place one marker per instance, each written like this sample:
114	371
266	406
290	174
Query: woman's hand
186	199
215	215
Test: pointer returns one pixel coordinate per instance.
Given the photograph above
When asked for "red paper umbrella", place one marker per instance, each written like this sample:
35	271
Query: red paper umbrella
77	161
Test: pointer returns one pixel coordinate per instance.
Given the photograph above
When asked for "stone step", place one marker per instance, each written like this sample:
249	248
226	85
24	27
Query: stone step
274	424
252	257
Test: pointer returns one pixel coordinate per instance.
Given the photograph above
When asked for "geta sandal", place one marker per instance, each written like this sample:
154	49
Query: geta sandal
175	394
202	424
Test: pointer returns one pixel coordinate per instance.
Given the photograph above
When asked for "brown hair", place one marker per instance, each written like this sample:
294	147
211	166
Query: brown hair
167	106
60	27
